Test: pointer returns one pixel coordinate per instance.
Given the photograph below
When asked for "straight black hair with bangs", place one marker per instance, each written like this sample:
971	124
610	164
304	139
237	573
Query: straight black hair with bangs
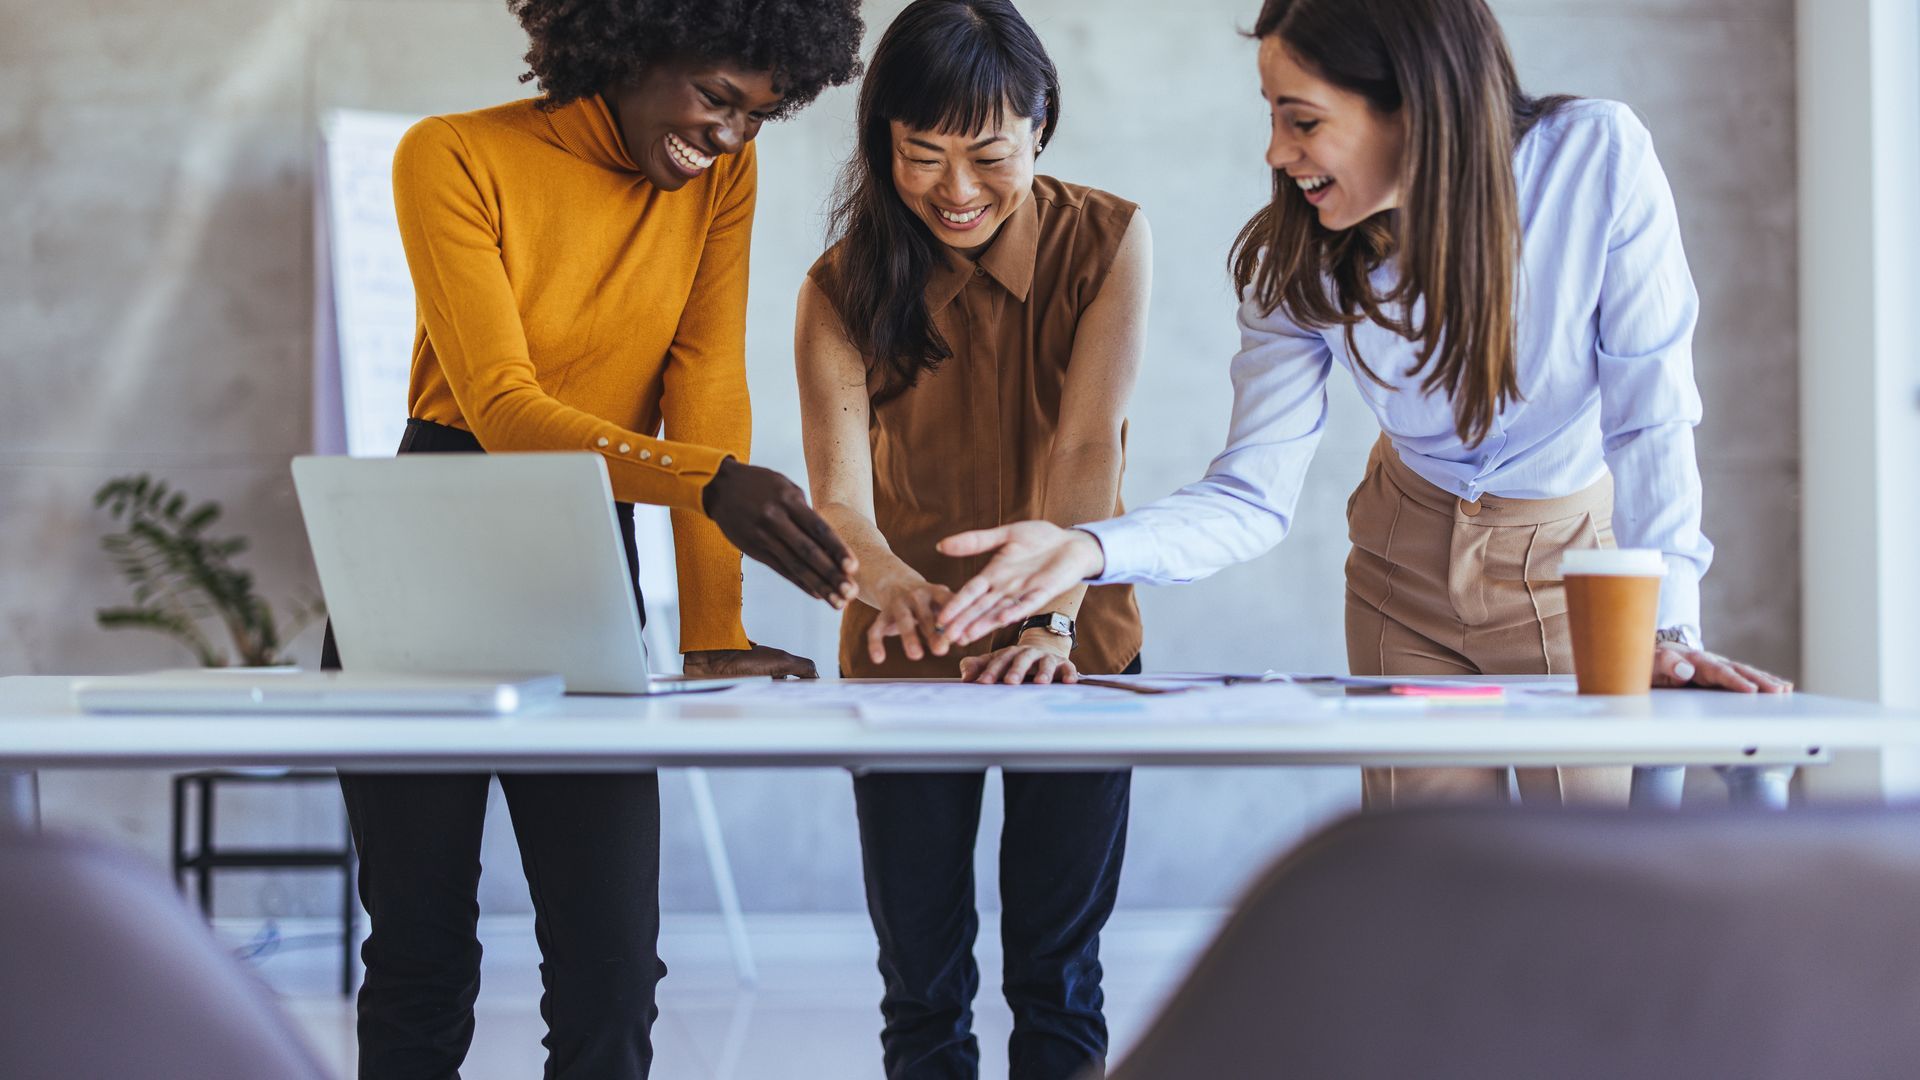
952	66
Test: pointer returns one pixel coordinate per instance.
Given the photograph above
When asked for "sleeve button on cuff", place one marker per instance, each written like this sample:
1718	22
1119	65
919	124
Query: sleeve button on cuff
666	459
646	455
602	441
624	447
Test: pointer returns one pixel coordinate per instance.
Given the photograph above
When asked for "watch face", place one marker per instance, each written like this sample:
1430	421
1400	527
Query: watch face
1052	622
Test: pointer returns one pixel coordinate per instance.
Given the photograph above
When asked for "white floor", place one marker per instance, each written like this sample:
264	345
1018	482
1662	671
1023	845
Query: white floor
814	1013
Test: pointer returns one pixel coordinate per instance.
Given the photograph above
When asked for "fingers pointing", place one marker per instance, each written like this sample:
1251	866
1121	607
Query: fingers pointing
975	542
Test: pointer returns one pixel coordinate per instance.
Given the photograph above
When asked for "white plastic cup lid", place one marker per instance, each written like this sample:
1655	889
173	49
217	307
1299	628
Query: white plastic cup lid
1617	562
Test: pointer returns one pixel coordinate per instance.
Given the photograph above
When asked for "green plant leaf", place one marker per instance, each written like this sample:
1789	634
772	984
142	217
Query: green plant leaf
172	624
179	576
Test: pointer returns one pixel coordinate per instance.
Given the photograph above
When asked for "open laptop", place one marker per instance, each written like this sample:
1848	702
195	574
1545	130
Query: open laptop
478	564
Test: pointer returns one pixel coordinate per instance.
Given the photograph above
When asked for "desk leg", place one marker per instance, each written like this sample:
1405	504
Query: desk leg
722	869
1658	787
20	801
1756	787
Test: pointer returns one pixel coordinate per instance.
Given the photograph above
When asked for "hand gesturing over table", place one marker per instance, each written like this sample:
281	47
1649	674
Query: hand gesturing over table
908	611
1036	561
764	515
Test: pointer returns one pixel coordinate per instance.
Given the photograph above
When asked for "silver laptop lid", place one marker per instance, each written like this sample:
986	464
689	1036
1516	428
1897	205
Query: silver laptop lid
474	563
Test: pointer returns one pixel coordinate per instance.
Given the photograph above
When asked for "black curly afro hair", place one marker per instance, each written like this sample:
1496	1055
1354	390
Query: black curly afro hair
581	47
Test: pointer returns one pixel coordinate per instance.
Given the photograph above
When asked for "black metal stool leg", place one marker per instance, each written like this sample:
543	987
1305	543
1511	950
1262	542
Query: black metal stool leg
180	832
208	858
346	927
205	784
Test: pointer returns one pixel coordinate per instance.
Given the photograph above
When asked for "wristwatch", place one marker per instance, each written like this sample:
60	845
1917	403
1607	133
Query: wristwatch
1052	622
1683	635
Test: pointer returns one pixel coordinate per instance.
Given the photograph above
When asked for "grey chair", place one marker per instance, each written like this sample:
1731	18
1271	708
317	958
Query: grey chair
105	972
1568	944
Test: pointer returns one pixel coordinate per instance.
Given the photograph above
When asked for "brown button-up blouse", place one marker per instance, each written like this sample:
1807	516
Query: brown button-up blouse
967	447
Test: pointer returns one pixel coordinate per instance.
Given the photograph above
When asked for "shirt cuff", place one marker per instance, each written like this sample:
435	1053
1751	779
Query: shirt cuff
1680	594
1128	547
657	471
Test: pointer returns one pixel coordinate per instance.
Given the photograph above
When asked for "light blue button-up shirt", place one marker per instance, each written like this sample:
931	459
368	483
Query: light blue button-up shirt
1605	315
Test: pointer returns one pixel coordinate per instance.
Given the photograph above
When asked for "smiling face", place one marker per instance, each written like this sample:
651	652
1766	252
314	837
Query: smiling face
964	187
679	117
1342	153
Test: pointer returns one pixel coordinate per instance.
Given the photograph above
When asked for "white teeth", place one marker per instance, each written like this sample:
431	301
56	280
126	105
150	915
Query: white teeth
1312	183
961	219
687	155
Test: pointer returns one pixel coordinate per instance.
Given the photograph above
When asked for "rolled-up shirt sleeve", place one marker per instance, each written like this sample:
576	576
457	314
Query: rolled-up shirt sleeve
1245	503
1649	404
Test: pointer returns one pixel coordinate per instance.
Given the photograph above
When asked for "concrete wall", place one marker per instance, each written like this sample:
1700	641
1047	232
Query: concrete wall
155	279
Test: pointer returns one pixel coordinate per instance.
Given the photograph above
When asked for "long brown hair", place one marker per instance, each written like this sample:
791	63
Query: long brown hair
1456	236
953	66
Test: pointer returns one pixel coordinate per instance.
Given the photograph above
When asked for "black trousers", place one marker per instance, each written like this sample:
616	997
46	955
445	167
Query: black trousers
590	844
1060	854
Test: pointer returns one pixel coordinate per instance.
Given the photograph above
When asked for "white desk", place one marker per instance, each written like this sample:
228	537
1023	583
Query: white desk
1750	735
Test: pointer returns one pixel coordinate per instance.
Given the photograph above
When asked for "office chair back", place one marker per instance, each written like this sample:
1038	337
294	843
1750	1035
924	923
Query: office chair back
105	972
1484	944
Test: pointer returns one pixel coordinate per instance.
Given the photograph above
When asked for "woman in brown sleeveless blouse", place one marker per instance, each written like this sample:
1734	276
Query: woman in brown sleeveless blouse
966	348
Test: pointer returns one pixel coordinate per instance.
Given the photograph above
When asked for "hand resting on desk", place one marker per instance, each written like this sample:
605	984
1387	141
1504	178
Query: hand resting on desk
1678	665
1037	657
759	660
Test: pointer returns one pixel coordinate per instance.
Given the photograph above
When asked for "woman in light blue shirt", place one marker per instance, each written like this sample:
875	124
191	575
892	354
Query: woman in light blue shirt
1503	276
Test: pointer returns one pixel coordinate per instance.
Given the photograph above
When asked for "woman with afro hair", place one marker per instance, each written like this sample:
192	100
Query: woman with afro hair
580	264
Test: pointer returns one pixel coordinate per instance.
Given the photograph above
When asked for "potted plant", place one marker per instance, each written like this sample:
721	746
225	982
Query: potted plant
183	576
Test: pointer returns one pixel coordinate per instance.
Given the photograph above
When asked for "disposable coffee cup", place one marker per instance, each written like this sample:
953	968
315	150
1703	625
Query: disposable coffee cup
1613	600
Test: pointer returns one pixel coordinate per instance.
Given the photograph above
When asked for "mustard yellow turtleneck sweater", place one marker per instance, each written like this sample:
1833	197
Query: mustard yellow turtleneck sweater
566	304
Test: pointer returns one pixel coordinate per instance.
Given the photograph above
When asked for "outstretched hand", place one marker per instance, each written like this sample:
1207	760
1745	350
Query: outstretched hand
764	515
1037	561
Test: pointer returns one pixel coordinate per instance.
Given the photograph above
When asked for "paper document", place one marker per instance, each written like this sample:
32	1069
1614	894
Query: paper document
1177	682
1365	693
949	704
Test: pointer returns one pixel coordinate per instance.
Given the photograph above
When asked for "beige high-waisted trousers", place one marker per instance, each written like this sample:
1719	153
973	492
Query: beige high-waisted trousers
1440	586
